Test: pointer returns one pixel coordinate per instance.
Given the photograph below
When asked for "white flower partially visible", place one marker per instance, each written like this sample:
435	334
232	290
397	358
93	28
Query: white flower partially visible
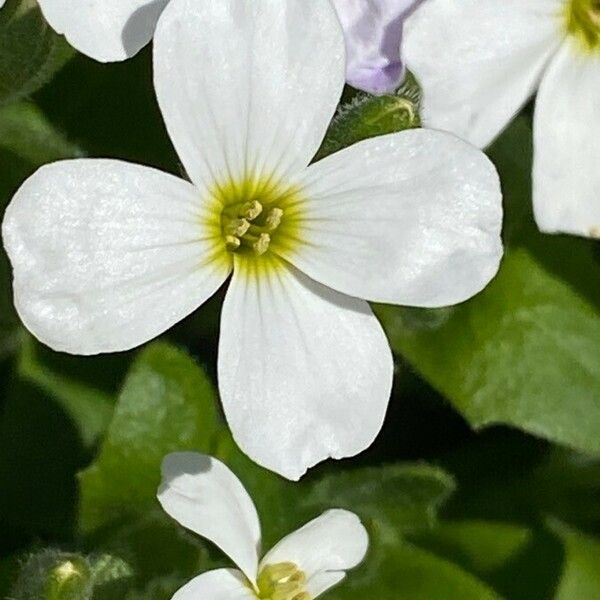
107	254
203	495
373	32
479	62
106	30
114	30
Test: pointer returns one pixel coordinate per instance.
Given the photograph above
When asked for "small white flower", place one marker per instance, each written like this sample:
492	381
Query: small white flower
479	62
108	255
106	30
114	30
373	31
203	495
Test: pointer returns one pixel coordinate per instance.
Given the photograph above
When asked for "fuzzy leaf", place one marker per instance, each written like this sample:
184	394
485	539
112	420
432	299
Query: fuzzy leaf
167	404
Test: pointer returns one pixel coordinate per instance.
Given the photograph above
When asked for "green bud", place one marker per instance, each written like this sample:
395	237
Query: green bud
69	580
53	575
367	116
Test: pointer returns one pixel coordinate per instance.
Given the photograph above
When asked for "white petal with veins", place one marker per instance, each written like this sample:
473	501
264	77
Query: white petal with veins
305	373
566	177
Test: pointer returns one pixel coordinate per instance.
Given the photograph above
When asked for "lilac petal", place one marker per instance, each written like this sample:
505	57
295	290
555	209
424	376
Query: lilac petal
373	30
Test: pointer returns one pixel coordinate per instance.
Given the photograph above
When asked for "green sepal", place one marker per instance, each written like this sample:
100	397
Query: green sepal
366	116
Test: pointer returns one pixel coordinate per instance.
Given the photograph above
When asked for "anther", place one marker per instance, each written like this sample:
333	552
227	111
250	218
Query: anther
237	227
251	210
232	242
261	245
273	220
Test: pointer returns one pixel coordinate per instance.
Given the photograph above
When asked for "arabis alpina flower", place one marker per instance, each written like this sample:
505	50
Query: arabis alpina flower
113	30
203	495
479	61
373	31
108	255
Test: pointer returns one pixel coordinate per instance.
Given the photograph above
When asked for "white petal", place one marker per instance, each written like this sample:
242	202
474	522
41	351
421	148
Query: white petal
373	31
478	61
248	87
323	549
221	584
412	218
106	30
202	494
1	3
305	373
107	255
566	174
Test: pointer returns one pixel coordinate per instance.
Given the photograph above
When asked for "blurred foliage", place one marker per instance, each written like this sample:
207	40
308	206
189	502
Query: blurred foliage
452	513
30	52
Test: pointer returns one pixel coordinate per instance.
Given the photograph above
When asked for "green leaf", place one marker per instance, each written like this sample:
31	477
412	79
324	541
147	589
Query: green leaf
30	51
25	132
155	546
480	547
367	116
580	578
405	572
167	404
90	408
525	351
403	497
394	501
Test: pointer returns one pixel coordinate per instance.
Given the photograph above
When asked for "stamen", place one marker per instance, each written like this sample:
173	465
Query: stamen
248	226
262	244
273	220
232	243
237	227
253	216
282	581
251	210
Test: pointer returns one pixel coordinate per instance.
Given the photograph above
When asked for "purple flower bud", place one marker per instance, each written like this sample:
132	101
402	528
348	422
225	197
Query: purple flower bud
373	30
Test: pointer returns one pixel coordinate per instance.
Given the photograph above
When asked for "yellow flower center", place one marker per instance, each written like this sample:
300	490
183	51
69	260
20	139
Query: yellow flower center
282	581
583	23
257	216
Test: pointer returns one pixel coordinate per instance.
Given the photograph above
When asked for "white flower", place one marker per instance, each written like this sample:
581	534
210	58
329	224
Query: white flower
203	495
479	61
114	30
108	255
106	30
373	31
